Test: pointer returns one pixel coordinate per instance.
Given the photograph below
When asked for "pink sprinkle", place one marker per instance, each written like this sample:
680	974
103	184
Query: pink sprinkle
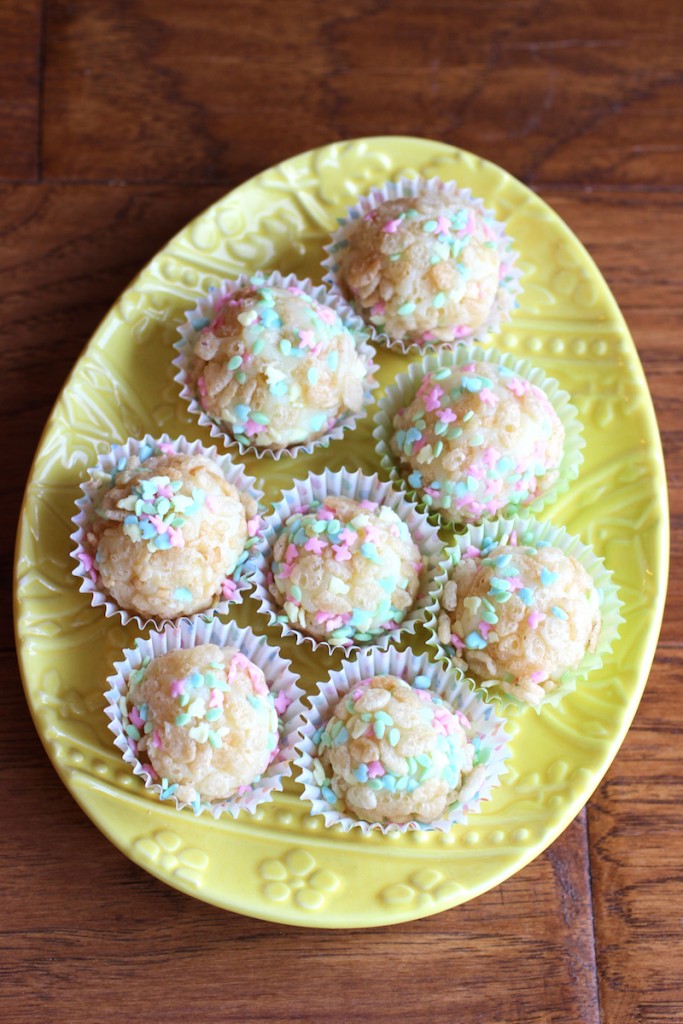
485	628
150	770
239	661
176	538
291	553
446	415
433	399
379	309
518	386
443	225
177	687
476	472
372	534
134	716
327	315
293	290
281	702
86	560
513	539
325	513
392	226
229	588
516	583
472	552
488	398
251	428
211	502
201	385
462	330
375	770
159	525
216	699
535	618
253	525
306	339
316	545
429	336
156	738
285	572
341	554
538	677
347	536
369	506
490	457
166	448
457	642
166	492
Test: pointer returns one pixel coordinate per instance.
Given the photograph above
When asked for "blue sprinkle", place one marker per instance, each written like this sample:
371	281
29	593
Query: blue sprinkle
182	594
242	413
526	595
559	613
145	452
548	577
421	682
475	641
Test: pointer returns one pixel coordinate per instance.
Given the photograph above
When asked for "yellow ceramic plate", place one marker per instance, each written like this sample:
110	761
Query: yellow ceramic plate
283	865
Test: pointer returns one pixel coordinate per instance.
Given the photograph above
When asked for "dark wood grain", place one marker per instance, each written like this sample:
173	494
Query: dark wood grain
149	111
584	92
635	828
20	57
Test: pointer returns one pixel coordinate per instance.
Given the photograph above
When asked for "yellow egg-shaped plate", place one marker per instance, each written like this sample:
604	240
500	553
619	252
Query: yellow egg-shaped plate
283	864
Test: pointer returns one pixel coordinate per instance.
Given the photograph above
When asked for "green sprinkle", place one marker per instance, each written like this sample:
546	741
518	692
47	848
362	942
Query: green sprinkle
235	362
312	375
429	226
406	309
182	719
439	302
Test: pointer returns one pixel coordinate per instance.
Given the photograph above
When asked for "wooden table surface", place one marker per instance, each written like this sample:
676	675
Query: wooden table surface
119	121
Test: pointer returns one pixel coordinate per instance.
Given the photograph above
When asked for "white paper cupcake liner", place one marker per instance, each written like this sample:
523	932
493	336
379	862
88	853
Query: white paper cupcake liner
204	312
236	584
530	531
358	486
487	731
509	285
281	681
402	391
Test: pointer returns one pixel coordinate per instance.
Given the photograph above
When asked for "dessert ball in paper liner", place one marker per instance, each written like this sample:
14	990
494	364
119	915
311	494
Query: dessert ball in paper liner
395	743
348	562
206	714
424	263
269	363
165	529
478	435
521	610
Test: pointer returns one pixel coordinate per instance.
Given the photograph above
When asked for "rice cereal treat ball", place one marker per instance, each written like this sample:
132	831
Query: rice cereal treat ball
422	269
167	531
203	721
345	570
478	441
276	368
520	616
391	753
